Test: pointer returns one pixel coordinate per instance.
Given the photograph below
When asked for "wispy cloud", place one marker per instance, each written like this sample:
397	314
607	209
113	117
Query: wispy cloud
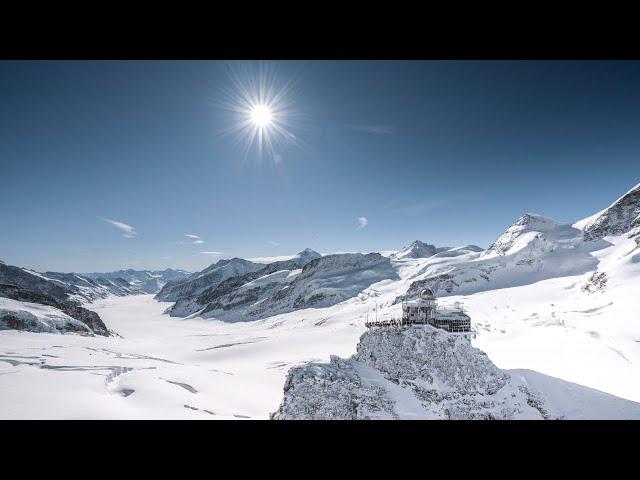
127	230
212	254
195	239
362	222
272	243
374	129
192	239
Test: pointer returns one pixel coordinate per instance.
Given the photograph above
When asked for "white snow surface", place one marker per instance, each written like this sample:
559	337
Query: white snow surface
543	300
420	372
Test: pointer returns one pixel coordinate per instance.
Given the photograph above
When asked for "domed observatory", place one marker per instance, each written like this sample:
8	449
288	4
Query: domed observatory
420	310
425	310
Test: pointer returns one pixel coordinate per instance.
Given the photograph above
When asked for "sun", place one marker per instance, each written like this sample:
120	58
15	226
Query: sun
260	110
261	115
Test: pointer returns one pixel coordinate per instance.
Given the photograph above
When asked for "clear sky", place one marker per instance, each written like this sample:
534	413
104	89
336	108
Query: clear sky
450	153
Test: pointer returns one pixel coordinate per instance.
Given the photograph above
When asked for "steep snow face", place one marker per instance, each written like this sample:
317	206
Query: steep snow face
620	217
417	249
33	317
210	277
534	248
282	287
330	280
419	372
535	232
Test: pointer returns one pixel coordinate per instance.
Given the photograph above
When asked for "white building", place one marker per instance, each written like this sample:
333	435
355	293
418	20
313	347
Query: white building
424	309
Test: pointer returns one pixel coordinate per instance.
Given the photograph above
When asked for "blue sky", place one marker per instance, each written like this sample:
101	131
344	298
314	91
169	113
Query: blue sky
450	153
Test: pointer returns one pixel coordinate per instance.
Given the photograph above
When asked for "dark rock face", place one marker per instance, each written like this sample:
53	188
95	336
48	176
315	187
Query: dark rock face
208	278
619	218
20	278
597	282
89	318
307	280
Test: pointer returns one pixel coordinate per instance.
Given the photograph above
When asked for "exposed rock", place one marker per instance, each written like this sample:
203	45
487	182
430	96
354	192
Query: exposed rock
619	218
409	372
597	282
31	287
210	277
284	286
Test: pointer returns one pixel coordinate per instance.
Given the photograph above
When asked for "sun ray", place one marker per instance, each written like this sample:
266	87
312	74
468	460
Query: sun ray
260	111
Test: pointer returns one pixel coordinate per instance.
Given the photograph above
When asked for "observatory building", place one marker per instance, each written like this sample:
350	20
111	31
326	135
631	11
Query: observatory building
424	310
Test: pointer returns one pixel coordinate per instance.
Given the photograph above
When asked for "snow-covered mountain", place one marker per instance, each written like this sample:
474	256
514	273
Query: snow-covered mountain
33	302
620	217
532	249
138	281
289	285
418	249
547	296
211	276
419	372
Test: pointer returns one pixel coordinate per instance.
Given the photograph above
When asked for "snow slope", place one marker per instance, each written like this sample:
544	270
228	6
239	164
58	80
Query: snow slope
164	367
420	372
34	317
545	300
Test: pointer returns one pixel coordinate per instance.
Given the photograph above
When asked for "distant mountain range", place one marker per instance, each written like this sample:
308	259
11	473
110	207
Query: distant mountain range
64	294
532	249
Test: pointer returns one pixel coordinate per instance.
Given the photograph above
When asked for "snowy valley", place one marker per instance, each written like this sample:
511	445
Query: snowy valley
553	306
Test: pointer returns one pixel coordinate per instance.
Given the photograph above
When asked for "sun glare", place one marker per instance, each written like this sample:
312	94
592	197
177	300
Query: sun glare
261	115
260	108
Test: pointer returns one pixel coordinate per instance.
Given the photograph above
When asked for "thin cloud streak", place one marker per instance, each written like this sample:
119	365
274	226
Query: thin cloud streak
213	254
196	239
127	230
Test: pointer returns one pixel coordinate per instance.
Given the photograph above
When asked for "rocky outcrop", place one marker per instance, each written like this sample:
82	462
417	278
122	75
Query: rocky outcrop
419	372
30	287
87	317
409	372
619	218
38	318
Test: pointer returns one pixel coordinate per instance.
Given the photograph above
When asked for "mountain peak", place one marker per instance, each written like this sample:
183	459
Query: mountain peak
416	249
308	253
529	222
